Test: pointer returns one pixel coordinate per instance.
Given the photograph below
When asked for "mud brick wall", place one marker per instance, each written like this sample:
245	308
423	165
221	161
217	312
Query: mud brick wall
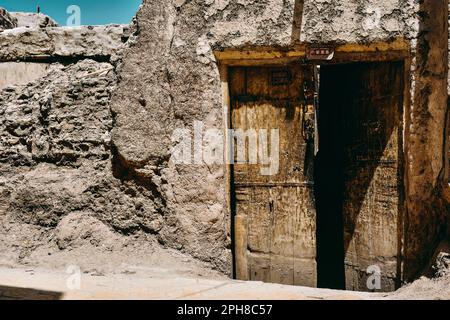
172	68
93	135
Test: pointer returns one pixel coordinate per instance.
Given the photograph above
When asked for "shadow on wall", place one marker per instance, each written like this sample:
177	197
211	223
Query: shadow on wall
14	293
447	163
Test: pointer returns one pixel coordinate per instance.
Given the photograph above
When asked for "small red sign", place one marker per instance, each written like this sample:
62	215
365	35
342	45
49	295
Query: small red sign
320	53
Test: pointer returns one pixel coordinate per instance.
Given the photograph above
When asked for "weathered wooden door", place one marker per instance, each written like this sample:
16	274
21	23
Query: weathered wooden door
275	222
361	117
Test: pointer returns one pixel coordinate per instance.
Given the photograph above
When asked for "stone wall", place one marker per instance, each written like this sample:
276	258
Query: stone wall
56	154
56	157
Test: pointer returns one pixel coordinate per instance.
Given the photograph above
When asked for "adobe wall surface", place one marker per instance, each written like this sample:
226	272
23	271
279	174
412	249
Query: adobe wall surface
426	211
93	136
62	202
20	73
7	21
170	78
100	42
33	20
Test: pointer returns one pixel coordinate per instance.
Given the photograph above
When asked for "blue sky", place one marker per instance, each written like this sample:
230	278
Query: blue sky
92	11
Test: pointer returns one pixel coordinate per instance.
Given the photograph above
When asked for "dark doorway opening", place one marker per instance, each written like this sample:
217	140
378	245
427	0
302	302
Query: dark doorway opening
358	174
329	183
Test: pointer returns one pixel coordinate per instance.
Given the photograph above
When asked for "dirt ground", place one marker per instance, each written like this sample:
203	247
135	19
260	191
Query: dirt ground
423	289
96	250
37	263
149	283
140	283
142	270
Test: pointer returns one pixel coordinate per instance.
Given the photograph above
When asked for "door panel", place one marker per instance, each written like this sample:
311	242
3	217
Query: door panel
275	214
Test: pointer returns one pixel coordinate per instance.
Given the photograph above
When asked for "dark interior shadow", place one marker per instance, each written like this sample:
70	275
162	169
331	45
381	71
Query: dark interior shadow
357	117
14	293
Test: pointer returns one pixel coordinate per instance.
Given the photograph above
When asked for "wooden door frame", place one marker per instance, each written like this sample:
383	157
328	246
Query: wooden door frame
396	50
